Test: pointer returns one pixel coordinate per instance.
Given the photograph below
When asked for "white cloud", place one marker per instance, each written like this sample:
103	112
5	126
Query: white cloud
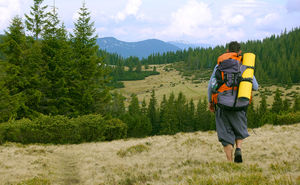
267	19
131	8
189	19
8	9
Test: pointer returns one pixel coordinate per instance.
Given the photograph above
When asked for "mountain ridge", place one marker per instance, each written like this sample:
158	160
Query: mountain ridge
141	49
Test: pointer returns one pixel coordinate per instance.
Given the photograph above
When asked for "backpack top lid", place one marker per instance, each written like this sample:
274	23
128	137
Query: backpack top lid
229	55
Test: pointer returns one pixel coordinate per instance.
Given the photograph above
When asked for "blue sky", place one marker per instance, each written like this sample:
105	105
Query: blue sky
194	21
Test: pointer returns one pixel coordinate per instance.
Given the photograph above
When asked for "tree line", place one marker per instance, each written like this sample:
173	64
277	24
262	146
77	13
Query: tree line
50	71
179	114
277	58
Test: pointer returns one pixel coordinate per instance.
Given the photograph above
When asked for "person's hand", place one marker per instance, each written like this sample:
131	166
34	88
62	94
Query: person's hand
211	107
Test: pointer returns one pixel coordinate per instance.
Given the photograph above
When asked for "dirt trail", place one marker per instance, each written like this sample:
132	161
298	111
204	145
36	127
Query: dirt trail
65	167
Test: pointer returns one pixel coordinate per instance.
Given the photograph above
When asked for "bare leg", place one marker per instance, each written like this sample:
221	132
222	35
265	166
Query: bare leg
228	151
239	143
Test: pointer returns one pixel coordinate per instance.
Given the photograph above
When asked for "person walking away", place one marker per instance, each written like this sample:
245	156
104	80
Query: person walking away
230	111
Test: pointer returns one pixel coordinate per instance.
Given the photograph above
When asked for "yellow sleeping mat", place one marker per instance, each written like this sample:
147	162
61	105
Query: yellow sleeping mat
245	87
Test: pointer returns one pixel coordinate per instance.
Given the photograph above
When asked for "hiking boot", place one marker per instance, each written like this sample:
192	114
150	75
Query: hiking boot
238	155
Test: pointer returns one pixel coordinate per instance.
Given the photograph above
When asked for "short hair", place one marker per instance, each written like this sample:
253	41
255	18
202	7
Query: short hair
234	46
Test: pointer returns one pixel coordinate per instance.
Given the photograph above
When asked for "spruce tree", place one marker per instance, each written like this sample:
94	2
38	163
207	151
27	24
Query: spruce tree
262	112
22	70
36	20
138	124
144	107
191	116
134	108
277	105
8	103
117	106
57	55
296	106
203	117
286	105
89	92
169	121
152	113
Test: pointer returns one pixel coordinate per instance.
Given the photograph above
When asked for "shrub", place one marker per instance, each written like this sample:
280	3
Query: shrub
61	130
289	118
136	149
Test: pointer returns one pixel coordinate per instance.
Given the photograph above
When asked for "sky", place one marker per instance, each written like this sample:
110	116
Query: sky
193	21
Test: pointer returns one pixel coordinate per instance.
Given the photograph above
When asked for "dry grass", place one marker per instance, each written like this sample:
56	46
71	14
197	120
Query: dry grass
272	156
165	83
171	81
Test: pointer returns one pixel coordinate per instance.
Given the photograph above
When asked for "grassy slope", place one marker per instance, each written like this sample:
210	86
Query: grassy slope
271	156
171	81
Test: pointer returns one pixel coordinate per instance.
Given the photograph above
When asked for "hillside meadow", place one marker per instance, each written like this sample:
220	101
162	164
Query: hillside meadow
169	81
271	156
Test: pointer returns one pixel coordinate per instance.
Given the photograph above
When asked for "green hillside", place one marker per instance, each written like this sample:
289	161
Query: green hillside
277	58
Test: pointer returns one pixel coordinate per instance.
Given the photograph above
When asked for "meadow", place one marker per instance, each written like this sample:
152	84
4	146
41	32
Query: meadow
271	156
169	81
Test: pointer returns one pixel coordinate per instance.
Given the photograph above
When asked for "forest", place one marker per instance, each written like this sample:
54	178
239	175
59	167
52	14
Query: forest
54	85
277	58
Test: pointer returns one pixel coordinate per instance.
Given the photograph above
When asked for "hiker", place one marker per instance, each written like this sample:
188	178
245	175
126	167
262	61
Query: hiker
230	111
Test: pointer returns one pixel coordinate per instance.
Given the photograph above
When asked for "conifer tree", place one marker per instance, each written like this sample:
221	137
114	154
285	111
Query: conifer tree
286	105
36	20
22	69
138	124
203	118
251	116
263	107
277	104
57	55
169	121
296	106
152	113
134	108
144	107
117	107
191	116
89	92
8	103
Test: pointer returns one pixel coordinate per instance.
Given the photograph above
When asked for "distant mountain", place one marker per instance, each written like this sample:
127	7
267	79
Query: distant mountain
185	45
140	49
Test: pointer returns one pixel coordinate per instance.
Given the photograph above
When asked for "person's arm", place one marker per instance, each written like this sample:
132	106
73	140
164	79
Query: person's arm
209	89
254	84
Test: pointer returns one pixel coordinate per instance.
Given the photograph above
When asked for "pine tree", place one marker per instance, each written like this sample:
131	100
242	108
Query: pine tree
117	106
203	117
57	55
134	108
144	107
263	105
152	113
277	104
296	106
36	20
251	116
8	103
286	105
191	116
89	92
138	124
23	73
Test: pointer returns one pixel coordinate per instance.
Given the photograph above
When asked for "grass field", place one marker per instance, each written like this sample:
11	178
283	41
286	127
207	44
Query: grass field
271	156
172	81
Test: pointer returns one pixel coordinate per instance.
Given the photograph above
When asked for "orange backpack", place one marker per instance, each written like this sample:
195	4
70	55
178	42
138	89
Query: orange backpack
228	76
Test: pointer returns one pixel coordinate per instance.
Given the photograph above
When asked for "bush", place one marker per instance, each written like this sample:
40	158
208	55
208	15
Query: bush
62	130
287	119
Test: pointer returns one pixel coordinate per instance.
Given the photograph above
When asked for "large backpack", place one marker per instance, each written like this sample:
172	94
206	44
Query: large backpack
228	77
